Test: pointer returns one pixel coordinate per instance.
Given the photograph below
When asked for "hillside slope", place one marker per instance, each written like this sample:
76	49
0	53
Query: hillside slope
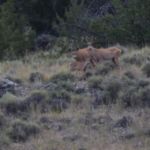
44	106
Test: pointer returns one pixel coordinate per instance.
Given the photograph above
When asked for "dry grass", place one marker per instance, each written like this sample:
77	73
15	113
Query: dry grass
92	136
89	139
21	69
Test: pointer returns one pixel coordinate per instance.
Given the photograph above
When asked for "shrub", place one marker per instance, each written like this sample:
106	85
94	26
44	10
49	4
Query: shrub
36	76
37	97
95	82
104	68
3	120
146	69
143	83
62	81
145	96
129	90
66	85
59	100
44	41
129	74
4	141
133	89
63	44
106	91
78	100
113	86
37	100
130	97
129	80
135	58
101	97
8	98
20	131
62	77
10	104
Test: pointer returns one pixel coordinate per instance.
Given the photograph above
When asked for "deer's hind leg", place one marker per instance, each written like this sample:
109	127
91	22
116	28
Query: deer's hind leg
116	61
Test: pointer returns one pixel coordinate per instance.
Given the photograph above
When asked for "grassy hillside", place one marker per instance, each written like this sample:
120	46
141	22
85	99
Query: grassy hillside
44	106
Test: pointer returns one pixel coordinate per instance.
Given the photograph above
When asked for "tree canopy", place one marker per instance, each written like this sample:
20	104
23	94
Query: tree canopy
107	22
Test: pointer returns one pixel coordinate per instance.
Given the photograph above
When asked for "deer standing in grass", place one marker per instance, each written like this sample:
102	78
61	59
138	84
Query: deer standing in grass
93	55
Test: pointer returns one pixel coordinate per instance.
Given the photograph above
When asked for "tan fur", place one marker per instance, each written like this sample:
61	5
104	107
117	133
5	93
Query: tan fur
81	54
112	53
84	54
77	66
96	55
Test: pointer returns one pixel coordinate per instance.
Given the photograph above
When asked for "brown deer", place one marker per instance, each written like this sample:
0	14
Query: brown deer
94	55
79	65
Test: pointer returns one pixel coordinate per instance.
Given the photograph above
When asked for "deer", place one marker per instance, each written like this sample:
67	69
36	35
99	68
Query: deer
96	55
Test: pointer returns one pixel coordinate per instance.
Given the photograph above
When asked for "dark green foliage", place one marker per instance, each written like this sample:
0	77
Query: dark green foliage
63	44
71	20
128	25
20	130
16	36
123	22
41	14
72	25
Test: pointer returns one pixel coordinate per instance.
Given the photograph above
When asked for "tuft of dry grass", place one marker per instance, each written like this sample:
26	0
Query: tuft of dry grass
21	69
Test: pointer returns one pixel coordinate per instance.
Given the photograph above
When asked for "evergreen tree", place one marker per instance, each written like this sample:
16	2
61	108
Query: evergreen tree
16	36
41	13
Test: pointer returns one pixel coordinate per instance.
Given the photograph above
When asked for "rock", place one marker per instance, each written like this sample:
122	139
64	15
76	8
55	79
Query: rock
49	86
104	120
123	133
7	85
57	126
80	87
